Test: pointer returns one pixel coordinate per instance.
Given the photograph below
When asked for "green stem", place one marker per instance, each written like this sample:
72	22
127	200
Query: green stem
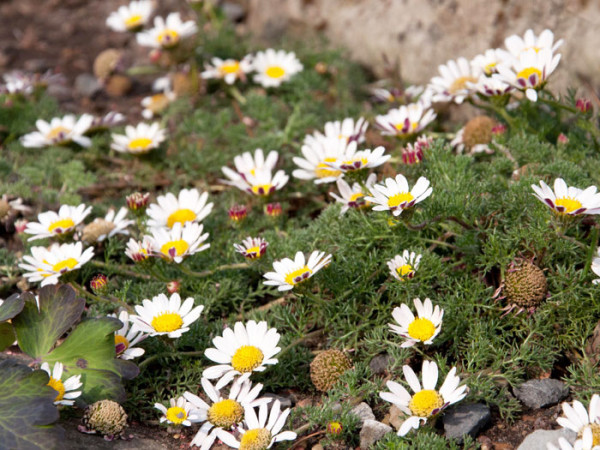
206	273
591	251
119	269
236	94
300	341
558	105
171	353
94	298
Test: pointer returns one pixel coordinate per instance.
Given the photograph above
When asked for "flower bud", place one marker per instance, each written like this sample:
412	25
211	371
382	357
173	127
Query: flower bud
137	201
273	209
237	213
173	286
99	284
583	105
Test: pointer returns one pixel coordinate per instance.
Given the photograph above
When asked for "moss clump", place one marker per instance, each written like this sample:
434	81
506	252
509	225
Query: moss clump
525	285
327	367
478	131
105	417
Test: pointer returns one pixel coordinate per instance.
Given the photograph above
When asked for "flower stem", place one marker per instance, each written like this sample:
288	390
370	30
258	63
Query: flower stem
97	299
206	273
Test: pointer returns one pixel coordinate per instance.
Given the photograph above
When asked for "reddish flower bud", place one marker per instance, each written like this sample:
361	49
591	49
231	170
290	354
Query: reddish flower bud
238	213
273	209
173	286
334	428
412	154
562	139
499	129
99	284
583	105
20	225
137	201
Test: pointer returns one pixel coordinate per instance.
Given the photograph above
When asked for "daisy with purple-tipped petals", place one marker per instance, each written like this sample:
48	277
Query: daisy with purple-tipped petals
394	194
289	273
568	200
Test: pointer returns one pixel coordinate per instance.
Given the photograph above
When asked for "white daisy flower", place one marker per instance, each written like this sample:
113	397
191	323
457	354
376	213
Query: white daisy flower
139	251
155	104
67	390
131	17
545	41
248	163
190	206
567	200
228	70
275	67
398	95
17	82
47	265
426	401
530	71
403	267
241	351
252	248
163	315
112	224
395	196
596	266
55	224
288	273
223	413
60	131
423	328
452	84
347	130
352	160
579	420
167	34
405	120
177	243
353	197
139	139
490	86
487	62
180	412
262	183
262	431
318	151
110	119
126	337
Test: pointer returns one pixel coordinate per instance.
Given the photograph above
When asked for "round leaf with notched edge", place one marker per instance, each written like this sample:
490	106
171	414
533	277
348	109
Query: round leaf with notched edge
38	330
11	307
27	409
89	350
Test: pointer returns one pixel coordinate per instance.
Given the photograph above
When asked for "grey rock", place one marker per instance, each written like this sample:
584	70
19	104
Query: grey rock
336	407
379	364
363	412
465	419
541	393
233	11
539	439
87	85
285	401
371	432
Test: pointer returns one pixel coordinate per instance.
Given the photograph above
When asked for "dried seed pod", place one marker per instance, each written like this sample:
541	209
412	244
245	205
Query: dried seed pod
327	367
525	285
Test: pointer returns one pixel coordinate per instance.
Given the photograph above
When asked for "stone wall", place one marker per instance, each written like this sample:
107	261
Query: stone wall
422	34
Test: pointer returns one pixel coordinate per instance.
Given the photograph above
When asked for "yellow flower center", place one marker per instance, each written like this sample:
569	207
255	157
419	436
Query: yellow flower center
262	189
121	343
424	402
230	68
60	226
489	68
66	265
413	126
134	21
461	83
174	248
528	72
247	358
167	322
158	102
253	252
595	427
58	386
323	170
255	439
275	72
176	415
225	413
182	216
405	271
58	133
139	144
399	199
168	38
570	204
354	164
298	276
421	329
